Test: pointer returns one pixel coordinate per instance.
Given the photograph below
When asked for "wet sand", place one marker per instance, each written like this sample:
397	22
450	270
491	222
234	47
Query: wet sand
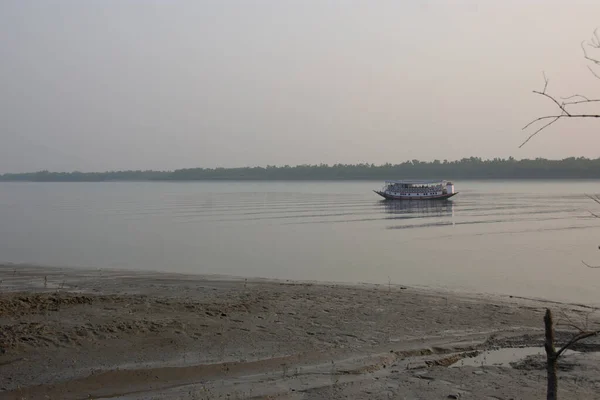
79	334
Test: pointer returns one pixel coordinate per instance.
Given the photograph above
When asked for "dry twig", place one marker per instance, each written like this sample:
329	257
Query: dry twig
563	106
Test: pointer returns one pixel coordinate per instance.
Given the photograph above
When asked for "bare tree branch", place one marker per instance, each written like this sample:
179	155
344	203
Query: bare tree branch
570	326
571	323
563	106
594	215
573	96
553	99
590	266
556	118
593	72
568	103
561	116
594	198
539	119
539	130
575	339
596	44
586	55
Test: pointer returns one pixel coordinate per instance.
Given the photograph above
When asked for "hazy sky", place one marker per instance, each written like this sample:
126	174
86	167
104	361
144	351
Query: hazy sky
117	84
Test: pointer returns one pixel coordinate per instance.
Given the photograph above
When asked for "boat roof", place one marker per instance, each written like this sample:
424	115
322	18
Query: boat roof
415	181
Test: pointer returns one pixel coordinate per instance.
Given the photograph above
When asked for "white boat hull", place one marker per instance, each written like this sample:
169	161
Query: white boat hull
389	196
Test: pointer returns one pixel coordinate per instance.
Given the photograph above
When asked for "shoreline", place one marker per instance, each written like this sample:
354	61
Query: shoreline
133	272
143	334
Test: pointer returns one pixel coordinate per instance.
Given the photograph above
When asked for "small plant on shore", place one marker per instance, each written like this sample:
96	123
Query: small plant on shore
553	355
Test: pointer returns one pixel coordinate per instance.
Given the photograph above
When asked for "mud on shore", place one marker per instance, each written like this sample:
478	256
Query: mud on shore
78	334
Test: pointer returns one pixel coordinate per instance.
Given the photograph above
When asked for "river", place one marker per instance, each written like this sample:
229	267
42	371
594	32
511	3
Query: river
522	238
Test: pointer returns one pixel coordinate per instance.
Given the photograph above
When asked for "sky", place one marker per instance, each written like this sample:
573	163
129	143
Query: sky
120	84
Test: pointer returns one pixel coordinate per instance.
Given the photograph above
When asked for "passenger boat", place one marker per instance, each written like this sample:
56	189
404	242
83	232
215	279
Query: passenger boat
417	190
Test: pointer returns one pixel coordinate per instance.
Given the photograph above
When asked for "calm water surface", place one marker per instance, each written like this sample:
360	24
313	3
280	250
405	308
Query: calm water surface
521	238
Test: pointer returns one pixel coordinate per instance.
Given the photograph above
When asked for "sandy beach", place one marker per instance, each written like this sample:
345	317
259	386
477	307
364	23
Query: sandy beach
81	334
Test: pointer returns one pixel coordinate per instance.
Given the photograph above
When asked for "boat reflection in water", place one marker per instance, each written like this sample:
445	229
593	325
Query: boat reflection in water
419	208
419	213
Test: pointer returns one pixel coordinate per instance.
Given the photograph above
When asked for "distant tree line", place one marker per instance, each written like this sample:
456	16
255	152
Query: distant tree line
467	168
45	176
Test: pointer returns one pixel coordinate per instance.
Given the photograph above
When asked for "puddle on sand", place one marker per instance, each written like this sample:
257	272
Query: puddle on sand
500	357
